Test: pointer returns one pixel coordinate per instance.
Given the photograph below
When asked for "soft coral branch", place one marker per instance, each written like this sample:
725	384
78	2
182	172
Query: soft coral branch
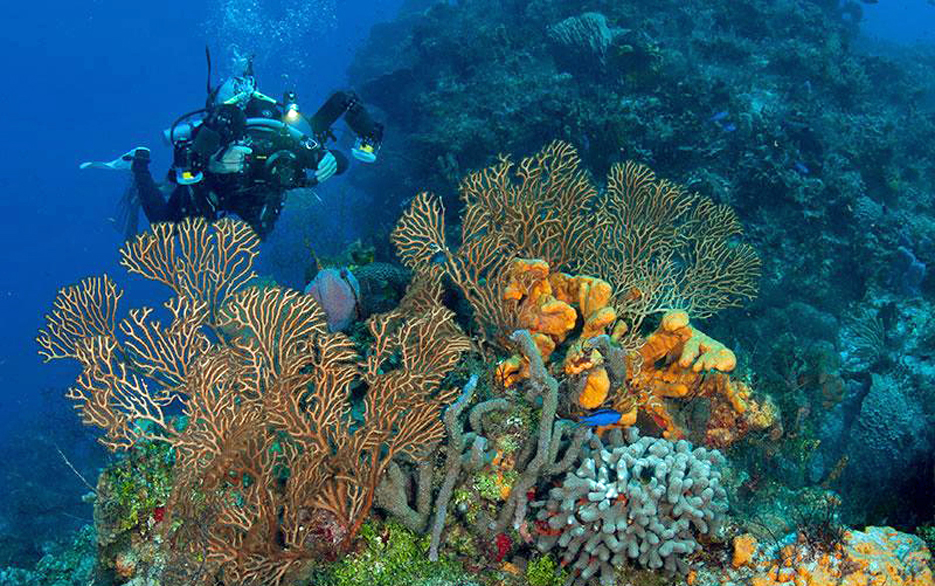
271	463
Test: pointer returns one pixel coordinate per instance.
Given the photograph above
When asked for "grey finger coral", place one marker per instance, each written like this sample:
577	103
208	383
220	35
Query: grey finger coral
633	499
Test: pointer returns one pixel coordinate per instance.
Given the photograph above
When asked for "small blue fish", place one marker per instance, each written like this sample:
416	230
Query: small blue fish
719	116
439	258
600	418
801	168
729	127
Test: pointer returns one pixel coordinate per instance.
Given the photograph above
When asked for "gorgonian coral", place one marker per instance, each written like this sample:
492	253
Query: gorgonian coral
276	463
659	246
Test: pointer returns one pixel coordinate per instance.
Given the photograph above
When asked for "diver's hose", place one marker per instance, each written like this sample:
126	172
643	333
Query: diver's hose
208	81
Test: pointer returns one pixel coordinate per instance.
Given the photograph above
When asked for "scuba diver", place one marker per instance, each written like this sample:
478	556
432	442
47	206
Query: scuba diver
243	152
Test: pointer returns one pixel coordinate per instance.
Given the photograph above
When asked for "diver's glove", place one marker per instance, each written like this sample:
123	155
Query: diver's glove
327	167
232	161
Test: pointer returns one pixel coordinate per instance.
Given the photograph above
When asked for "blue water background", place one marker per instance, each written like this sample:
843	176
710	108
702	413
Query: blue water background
89	80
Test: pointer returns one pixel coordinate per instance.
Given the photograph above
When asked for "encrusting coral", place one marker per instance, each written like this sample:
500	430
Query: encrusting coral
880	556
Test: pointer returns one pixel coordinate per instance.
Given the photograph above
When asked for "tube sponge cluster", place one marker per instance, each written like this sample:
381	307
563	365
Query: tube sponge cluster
632	498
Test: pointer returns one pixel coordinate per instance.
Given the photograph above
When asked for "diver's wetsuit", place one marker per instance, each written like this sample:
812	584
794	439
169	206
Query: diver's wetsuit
210	198
182	202
257	206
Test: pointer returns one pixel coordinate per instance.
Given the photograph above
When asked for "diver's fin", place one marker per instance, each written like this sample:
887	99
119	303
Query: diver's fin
121	163
127	217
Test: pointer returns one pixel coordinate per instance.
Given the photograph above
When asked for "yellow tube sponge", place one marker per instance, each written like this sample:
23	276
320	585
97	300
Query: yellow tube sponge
551	316
595	389
679	362
527	277
591	295
702	352
597	323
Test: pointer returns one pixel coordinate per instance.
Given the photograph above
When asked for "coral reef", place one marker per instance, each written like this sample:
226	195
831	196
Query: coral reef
753	103
296	442
815	136
130	508
677	361
274	469
633	499
659	246
651	246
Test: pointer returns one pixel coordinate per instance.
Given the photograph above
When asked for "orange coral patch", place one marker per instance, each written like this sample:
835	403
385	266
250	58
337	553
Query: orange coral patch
744	548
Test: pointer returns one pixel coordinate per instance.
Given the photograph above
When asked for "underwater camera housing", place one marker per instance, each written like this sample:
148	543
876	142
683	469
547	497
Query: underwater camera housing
369	132
281	152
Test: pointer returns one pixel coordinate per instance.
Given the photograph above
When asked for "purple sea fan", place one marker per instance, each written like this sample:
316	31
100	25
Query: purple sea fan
337	292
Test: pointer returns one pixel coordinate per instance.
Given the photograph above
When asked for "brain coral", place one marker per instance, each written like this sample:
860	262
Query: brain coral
642	499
